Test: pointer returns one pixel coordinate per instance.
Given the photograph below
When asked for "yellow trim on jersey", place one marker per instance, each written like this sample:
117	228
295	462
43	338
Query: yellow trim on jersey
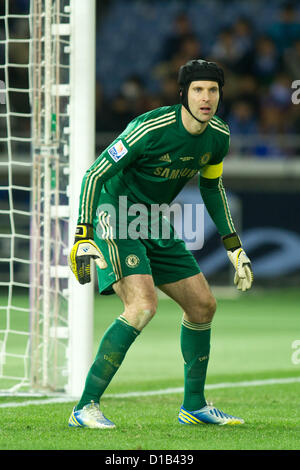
148	126
107	236
90	187
225	204
151	129
212	171
221	124
214	126
94	184
172	113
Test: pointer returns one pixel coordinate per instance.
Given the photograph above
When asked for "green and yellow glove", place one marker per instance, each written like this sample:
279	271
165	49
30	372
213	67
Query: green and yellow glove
243	277
83	250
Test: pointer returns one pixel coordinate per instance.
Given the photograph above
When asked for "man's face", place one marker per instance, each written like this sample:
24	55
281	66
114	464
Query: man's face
203	99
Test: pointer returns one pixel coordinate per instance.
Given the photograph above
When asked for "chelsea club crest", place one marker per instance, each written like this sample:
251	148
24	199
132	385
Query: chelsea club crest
204	159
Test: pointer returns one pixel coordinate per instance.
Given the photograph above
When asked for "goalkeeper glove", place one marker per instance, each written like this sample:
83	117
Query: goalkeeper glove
243	277
83	250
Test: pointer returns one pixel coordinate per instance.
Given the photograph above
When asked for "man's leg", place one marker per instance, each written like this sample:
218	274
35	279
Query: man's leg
138	295
198	303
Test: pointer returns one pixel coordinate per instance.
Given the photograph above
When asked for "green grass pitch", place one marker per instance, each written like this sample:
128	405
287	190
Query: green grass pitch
252	340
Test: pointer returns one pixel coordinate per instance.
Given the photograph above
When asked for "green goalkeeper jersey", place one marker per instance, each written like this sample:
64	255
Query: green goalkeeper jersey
152	160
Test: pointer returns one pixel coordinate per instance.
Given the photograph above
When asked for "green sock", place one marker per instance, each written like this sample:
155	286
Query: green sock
195	347
113	347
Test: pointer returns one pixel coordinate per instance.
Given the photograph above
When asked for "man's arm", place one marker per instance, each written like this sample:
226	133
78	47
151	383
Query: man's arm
116	157
215	200
214	197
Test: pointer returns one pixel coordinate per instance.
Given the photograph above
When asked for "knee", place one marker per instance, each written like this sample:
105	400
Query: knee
140	314
211	307
204	311
147	310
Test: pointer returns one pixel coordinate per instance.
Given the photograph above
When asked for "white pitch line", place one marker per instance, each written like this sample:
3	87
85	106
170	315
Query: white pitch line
166	391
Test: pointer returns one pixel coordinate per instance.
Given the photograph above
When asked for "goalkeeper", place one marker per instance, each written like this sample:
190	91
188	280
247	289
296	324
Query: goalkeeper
149	163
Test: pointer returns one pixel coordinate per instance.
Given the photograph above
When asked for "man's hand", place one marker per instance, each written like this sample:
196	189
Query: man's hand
83	250
243	277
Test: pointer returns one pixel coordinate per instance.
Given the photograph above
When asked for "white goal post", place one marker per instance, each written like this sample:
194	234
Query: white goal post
47	140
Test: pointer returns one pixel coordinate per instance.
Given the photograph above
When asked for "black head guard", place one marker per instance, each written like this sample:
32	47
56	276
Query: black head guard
198	69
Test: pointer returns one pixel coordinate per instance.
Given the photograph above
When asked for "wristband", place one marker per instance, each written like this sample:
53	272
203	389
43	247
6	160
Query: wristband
84	232
231	242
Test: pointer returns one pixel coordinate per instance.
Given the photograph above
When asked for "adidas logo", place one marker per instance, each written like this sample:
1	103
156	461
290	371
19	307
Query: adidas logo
165	158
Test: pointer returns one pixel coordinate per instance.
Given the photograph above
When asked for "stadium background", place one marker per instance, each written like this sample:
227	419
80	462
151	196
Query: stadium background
141	44
139	49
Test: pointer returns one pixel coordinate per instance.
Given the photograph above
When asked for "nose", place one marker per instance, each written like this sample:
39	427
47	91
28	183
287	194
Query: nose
205	95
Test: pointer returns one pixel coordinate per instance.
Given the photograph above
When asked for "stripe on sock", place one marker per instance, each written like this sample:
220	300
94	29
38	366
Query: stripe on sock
124	320
196	326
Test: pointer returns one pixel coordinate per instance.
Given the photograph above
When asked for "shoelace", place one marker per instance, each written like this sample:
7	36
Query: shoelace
94	410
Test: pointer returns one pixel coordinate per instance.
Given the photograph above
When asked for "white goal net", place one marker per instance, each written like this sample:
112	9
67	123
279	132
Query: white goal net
35	192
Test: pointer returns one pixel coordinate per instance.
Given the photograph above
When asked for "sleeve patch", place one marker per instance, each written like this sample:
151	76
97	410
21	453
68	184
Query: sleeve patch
117	151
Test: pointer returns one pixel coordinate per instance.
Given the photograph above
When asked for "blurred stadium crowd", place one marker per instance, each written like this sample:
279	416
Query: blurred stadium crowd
141	45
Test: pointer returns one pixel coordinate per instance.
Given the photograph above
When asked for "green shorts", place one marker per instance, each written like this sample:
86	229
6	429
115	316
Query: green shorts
139	251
